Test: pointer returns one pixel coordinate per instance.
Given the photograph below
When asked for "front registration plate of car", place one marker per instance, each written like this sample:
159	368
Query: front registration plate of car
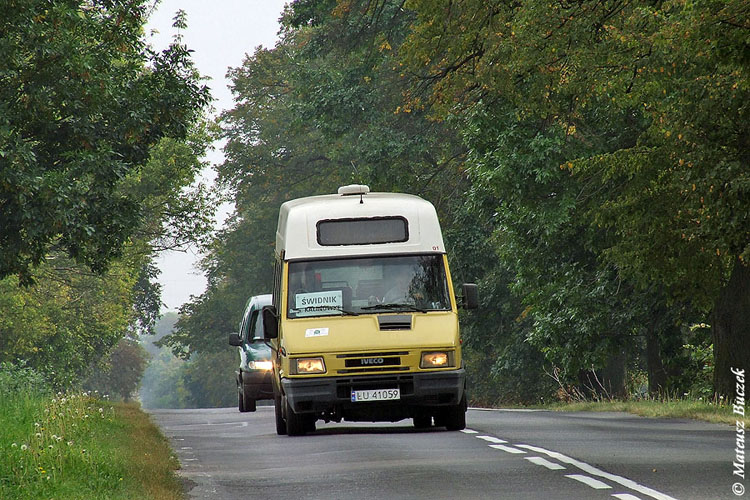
376	395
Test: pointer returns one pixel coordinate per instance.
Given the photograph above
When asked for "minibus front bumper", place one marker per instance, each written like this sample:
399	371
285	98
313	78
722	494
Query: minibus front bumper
418	391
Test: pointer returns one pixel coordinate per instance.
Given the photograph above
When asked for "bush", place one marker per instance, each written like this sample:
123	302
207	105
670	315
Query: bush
19	379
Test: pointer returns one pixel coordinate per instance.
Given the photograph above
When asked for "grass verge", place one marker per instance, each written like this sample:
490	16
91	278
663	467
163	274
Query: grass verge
721	413
80	447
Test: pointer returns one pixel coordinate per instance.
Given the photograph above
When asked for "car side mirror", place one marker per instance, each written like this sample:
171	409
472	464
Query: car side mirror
234	339
270	322
471	296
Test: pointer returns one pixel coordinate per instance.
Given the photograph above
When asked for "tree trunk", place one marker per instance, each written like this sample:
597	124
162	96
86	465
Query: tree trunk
731	330
657	375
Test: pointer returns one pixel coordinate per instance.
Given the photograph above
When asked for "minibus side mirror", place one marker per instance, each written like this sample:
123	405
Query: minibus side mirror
471	296
234	339
270	322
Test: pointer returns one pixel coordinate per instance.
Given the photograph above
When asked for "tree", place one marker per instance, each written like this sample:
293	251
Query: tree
82	101
643	106
321	109
119	375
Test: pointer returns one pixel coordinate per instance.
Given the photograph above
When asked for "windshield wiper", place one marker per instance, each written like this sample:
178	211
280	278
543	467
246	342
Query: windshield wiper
405	307
329	308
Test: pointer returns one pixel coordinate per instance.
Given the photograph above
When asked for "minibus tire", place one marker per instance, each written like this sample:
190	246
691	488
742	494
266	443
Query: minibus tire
295	423
280	423
455	417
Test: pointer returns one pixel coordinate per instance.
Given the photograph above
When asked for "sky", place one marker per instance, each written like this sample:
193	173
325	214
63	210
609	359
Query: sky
221	33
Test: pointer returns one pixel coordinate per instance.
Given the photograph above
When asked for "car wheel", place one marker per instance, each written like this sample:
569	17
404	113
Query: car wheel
249	401
240	401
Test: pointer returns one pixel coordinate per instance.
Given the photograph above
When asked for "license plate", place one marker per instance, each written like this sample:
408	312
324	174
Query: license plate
376	395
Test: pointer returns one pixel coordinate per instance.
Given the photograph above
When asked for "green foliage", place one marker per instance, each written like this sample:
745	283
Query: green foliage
82	101
66	321
614	137
120	373
20	379
320	110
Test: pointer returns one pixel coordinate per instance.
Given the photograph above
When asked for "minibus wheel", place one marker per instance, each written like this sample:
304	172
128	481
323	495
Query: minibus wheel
295	423
280	422
454	417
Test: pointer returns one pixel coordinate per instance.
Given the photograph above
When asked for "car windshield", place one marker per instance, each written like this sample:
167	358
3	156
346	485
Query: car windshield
367	285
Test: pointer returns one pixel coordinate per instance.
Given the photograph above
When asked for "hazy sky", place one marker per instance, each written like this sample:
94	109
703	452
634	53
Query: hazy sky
220	33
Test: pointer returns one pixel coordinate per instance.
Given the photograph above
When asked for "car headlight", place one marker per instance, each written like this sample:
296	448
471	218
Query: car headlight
304	366
437	359
260	365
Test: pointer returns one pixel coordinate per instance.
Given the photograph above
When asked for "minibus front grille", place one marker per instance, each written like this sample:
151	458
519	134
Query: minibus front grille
371	370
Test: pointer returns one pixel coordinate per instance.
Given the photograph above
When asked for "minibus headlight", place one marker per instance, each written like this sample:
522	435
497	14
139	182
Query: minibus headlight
260	365
304	366
436	359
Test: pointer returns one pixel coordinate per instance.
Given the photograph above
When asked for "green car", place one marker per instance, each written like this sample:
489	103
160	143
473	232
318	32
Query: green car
254	376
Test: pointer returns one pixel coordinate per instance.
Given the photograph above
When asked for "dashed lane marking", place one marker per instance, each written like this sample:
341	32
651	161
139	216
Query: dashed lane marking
545	463
625	496
589	481
491	439
622	481
508	449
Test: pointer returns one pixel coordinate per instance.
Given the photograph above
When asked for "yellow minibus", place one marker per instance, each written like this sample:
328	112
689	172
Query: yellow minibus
364	321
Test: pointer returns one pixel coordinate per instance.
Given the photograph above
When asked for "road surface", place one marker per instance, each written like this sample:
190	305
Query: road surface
503	454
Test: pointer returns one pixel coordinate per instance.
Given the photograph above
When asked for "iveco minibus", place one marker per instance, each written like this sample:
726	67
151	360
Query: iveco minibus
364	321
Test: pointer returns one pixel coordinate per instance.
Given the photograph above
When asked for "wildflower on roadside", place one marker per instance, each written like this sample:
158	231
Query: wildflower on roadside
24	447
14	445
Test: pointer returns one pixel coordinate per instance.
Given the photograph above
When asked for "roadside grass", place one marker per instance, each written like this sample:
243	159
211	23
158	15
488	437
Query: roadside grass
79	446
709	411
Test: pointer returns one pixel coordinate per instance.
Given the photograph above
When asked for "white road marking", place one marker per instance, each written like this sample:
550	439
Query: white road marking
186	448
626	496
589	481
628	483
469	431
491	439
545	463
508	449
518	410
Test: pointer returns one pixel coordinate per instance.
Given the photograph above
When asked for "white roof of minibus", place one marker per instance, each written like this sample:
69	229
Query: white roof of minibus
296	233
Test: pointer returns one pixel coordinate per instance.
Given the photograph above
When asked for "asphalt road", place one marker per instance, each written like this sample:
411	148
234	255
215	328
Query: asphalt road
503	454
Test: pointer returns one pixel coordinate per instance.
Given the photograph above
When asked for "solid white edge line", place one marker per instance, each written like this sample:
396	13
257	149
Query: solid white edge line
508	449
491	439
544	463
519	410
625	496
589	481
628	483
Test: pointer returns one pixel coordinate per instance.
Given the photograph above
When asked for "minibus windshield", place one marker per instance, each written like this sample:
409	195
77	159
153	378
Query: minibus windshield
361	285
